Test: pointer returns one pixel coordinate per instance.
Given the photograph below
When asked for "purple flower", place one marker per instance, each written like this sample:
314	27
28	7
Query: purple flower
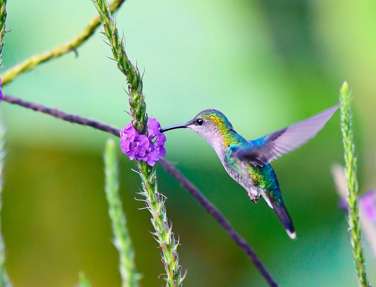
148	148
367	204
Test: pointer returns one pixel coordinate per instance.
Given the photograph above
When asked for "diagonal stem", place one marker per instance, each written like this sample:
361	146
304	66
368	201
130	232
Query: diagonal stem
72	45
61	115
186	184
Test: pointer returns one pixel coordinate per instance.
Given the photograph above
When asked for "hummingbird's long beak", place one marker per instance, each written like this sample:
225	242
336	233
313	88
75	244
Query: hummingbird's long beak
174	128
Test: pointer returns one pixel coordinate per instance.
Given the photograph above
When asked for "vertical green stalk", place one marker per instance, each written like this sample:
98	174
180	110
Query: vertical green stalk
122	240
3	17
352	183
154	201
4	280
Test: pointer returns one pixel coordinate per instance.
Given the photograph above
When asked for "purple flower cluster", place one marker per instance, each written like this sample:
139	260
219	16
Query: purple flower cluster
148	148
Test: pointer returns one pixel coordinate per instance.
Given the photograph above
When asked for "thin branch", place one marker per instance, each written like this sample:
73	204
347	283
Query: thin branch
61	115
72	45
185	183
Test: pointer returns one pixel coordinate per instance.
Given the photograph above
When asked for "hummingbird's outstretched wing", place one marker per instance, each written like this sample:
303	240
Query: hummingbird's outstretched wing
270	147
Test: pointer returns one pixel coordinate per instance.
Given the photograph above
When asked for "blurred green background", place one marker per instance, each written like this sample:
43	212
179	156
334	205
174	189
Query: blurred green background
265	64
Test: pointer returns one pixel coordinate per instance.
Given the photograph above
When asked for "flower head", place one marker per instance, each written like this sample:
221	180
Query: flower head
148	148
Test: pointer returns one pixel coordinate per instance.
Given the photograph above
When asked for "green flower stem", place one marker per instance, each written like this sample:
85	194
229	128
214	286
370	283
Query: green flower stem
3	17
4	280
352	183
32	62
154	201
162	230
136	98
122	240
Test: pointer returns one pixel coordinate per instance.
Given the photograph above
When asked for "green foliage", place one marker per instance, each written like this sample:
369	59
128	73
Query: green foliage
352	183
122	240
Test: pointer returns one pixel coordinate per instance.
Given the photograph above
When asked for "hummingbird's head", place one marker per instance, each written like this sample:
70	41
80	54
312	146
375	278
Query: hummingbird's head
210	124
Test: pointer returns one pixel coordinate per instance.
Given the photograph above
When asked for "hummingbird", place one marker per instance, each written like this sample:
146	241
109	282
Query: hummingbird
248	162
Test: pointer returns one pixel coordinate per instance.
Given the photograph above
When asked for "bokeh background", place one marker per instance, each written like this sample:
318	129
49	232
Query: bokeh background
263	63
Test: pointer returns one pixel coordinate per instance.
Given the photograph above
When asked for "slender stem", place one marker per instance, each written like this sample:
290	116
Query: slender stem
3	17
4	279
204	202
352	184
61	115
122	240
133	77
366	221
155	202
72	45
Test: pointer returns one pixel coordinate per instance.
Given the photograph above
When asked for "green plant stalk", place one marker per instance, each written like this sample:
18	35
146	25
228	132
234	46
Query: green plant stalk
72	45
4	280
83	281
134	79
162	230
154	201
122	240
3	17
352	183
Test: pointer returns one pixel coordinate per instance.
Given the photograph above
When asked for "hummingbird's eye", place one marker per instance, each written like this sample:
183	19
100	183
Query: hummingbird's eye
199	122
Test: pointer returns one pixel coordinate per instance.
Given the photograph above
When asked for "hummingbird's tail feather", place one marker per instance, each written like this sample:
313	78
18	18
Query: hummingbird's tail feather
285	219
280	209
